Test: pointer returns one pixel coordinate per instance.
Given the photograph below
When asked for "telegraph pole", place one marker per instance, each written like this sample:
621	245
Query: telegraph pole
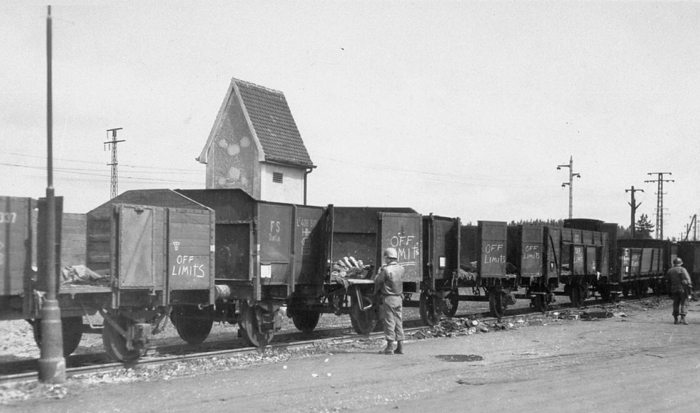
572	174
52	364
660	201
634	206
113	144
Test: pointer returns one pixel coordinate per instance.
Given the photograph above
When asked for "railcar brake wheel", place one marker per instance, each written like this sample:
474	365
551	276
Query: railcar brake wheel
192	324
115	344
496	304
363	322
428	309
451	304
71	329
305	320
249	327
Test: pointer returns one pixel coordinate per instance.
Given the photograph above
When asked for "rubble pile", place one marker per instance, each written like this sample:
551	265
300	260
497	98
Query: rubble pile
455	327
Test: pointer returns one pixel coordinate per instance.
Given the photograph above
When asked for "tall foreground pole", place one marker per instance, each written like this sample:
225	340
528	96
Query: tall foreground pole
52	365
572	174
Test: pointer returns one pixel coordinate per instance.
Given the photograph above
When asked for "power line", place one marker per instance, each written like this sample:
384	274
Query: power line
83	161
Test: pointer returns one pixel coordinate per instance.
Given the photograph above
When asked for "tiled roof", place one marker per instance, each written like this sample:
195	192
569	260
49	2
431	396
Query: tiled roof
273	123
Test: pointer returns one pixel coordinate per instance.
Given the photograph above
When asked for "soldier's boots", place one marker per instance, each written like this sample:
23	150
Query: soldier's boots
399	347
389	348
683	320
675	319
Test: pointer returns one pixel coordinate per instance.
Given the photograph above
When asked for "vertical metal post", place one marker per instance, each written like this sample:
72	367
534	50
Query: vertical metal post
660	201
52	365
572	174
634	206
115	178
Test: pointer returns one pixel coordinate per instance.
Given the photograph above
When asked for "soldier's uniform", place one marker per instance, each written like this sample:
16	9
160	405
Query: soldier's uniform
389	283
680	286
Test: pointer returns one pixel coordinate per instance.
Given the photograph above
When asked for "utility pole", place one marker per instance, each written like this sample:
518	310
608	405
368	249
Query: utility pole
52	364
660	201
634	206
113	144
694	225
572	174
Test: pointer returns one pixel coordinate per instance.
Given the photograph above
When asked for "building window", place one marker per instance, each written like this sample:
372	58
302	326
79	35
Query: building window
277	177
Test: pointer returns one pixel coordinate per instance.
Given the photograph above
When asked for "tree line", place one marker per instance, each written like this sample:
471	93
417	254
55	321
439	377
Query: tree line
643	228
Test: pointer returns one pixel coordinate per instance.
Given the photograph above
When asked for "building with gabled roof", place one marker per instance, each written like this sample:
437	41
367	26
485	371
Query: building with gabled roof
255	145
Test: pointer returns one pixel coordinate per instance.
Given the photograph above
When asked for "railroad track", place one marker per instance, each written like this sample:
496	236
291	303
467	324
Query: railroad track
26	370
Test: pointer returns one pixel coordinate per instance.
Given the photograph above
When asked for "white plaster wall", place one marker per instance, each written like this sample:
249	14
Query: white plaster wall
291	190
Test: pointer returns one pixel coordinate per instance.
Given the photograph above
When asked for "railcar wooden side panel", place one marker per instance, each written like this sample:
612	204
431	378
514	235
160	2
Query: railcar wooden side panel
493	237
15	244
404	233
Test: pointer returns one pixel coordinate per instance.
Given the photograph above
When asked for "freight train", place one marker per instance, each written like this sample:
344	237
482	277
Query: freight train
205	256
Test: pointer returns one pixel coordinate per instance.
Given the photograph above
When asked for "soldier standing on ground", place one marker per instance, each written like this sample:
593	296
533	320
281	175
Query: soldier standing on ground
389	282
680	285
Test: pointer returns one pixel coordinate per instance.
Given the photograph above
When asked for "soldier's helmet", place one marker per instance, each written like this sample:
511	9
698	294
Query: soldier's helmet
390	253
677	261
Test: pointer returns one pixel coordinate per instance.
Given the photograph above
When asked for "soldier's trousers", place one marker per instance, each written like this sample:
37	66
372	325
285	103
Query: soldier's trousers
392	314
680	303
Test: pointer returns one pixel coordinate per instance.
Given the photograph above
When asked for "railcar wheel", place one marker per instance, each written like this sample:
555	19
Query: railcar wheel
305	320
249	327
428	309
496	304
115	344
575	296
451	304
71	329
192	324
363	322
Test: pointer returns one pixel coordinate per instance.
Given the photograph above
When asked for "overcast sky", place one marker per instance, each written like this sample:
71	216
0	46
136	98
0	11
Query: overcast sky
453	108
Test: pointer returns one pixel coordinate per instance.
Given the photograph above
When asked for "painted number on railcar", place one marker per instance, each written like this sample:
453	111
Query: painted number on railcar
306	226
8	217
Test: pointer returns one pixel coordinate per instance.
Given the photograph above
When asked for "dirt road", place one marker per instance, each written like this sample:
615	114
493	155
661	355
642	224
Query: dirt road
637	361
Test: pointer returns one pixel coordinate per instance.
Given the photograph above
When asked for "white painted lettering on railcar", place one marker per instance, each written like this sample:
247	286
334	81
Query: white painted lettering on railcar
493	253
407	247
306	224
532	252
275	229
188	266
